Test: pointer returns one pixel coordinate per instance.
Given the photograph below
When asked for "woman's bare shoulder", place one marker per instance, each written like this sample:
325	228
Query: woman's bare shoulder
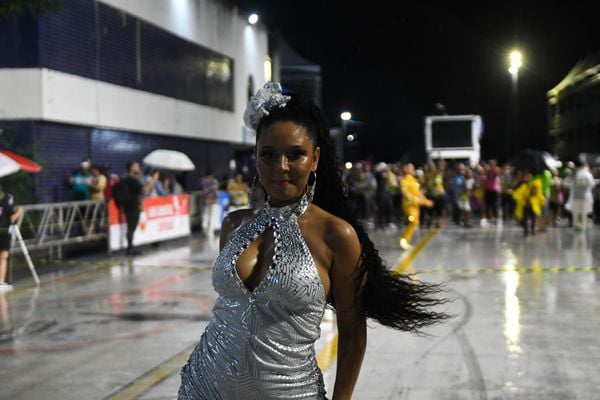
237	217
233	221
338	233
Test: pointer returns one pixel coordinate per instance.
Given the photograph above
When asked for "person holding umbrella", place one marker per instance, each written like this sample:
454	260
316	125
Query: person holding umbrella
9	213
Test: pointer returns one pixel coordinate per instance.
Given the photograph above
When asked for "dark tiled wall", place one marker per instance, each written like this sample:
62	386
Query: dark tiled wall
96	41
59	148
18	43
67	39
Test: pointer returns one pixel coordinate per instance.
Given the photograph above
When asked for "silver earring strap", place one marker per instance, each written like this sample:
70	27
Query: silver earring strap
255	191
310	187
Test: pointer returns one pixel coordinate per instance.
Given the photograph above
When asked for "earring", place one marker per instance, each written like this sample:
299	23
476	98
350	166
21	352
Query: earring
310	187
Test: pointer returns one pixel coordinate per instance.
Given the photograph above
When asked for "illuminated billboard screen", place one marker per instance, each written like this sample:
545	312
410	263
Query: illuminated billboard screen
451	134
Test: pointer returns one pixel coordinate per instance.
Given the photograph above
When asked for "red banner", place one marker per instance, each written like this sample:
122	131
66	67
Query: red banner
162	218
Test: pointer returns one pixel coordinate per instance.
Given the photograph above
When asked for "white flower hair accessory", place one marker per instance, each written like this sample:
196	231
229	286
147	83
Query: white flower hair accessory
264	101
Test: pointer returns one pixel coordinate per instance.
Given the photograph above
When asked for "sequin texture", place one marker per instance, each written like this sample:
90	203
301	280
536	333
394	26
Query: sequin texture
260	344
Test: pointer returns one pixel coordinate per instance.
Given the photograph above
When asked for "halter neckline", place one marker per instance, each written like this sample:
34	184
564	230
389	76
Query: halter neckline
284	212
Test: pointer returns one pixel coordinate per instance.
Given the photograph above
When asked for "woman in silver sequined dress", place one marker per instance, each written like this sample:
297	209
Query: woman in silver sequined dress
282	263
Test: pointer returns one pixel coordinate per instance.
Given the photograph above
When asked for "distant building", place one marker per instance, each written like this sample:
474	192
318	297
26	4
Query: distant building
116	79
296	73
574	110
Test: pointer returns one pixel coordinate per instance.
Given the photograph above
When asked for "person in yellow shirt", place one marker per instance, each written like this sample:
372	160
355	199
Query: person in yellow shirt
529	200
238	191
412	200
97	184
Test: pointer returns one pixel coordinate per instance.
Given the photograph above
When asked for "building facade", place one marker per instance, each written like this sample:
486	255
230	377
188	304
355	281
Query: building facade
296	73
574	111
115	79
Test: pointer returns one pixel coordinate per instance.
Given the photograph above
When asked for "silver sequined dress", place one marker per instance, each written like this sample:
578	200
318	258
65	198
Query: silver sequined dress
260	344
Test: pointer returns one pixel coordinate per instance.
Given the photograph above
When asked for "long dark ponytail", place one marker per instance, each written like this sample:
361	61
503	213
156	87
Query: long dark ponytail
392	299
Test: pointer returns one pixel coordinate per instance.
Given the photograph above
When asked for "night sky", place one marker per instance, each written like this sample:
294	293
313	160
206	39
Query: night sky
390	63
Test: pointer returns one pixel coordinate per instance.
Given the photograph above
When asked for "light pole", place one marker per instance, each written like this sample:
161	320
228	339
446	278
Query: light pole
345	117
516	61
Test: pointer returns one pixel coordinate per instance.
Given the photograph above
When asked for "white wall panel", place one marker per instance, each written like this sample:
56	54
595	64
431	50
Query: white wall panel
206	22
136	110
20	94
68	98
216	25
60	97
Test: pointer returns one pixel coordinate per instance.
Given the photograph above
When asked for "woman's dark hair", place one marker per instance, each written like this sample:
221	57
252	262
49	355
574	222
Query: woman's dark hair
392	299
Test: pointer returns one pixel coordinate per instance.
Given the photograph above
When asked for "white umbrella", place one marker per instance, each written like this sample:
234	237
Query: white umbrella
551	162
169	159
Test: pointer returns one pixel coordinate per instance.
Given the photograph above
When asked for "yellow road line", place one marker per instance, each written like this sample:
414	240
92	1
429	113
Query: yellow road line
328	354
553	269
405	263
153	377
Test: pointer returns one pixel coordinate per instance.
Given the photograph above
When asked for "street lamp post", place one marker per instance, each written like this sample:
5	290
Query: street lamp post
516	61
345	117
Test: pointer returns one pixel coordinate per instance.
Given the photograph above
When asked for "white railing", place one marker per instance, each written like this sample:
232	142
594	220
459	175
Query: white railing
53	225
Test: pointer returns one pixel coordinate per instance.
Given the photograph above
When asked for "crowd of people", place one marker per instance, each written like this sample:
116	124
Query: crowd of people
97	182
392	195
389	195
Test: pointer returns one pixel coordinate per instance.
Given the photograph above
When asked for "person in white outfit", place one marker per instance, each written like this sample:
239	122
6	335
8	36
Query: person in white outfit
581	199
210	198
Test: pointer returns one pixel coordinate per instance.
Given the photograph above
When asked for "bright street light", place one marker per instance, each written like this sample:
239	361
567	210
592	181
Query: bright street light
345	117
253	19
516	61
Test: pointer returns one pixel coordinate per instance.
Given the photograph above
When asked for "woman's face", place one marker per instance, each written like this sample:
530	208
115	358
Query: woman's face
285	156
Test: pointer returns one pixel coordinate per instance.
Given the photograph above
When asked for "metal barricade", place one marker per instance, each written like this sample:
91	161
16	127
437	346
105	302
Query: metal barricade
53	225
